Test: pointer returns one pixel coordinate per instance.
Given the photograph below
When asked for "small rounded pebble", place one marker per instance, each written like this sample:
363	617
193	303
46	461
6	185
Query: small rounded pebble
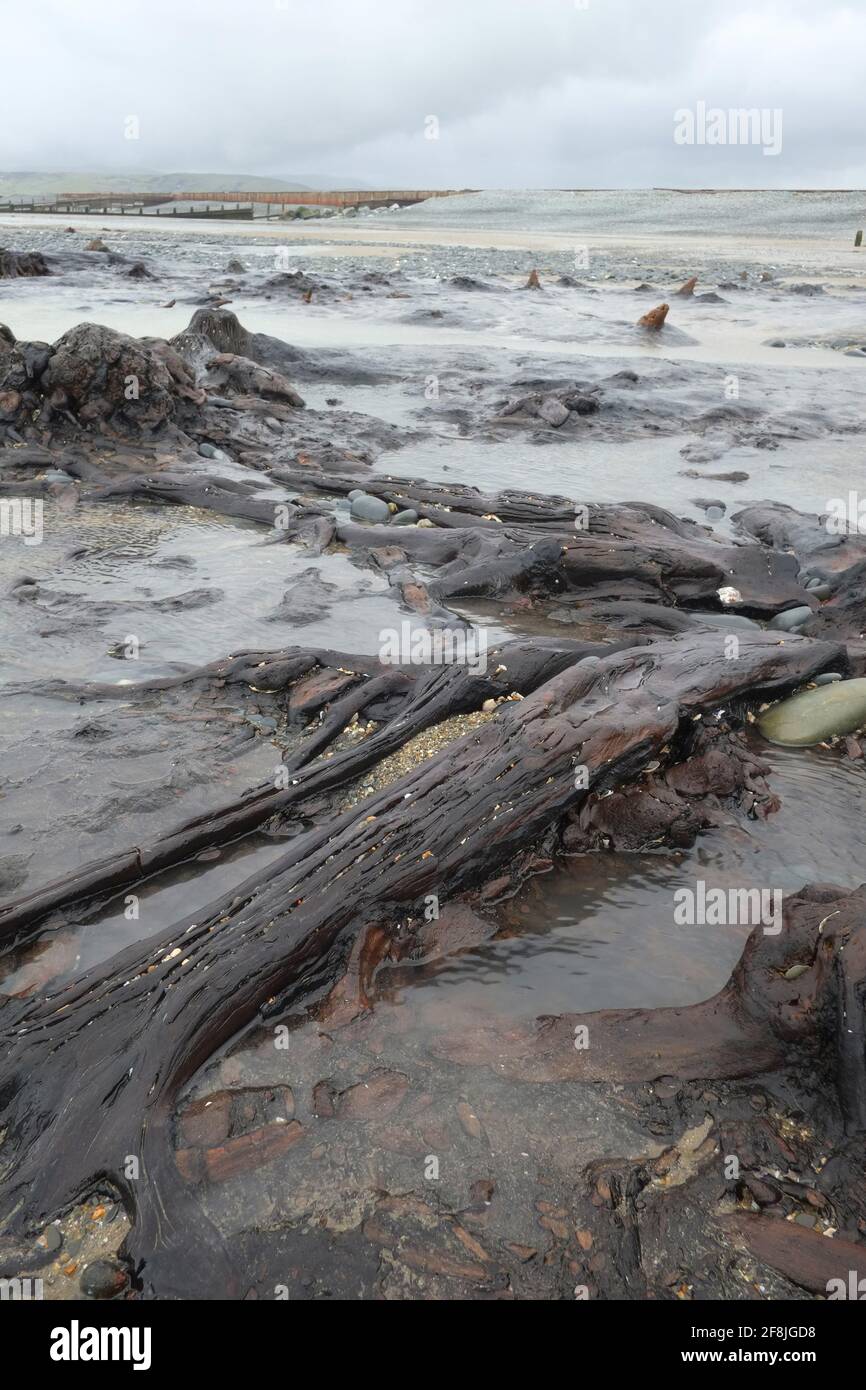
51	1238
102	1279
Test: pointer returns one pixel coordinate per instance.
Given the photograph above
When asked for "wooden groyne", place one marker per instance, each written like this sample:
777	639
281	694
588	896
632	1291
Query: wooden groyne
215	204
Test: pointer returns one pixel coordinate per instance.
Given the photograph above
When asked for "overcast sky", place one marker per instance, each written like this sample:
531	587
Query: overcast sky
527	93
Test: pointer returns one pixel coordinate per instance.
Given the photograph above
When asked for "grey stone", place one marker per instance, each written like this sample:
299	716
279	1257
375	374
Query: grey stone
52	1238
407	518
725	620
366	508
102	1279
791	619
553	411
583	405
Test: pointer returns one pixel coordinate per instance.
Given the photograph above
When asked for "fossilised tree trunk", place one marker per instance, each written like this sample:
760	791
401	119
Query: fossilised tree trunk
417	697
92	1071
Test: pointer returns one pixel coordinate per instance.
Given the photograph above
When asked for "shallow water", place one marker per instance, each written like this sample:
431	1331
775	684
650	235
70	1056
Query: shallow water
123	561
563	322
653	470
599	932
165	899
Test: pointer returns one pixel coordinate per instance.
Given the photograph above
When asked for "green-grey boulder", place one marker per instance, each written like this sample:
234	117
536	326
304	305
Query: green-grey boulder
815	715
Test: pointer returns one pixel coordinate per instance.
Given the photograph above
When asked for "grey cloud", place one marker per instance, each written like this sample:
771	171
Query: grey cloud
527	92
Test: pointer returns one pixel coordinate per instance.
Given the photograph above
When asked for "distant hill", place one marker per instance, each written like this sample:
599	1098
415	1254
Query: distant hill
39	184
